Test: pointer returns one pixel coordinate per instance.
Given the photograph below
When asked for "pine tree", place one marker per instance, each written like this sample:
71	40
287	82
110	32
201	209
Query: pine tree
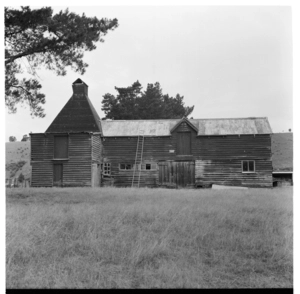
132	103
56	42
125	105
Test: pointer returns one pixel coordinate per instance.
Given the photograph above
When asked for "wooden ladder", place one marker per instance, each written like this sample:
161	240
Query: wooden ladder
138	160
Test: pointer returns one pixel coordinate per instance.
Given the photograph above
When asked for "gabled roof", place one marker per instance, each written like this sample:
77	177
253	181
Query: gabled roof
205	127
78	114
282	151
185	120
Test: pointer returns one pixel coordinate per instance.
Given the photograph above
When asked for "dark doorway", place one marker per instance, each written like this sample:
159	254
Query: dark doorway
177	174
57	175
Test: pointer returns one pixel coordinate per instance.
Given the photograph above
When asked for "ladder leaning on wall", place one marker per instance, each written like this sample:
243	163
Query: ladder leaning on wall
138	160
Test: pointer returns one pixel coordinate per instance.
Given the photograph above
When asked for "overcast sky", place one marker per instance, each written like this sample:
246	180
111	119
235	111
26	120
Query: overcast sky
228	61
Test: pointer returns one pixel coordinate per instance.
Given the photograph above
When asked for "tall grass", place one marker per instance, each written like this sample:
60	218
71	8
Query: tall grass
148	238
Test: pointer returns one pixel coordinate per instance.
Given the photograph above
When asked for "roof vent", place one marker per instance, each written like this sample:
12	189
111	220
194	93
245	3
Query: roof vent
79	87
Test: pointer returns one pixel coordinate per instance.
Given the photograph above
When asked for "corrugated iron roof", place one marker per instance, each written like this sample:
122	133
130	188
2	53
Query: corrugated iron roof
206	127
115	128
233	126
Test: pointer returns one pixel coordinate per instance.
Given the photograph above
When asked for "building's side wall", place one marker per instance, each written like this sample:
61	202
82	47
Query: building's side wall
77	170
217	159
41	160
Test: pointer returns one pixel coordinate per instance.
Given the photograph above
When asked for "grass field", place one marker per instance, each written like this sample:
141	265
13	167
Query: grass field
149	238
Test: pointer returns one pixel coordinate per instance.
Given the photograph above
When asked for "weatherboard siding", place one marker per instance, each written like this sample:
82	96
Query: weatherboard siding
77	168
217	158
229	173
41	160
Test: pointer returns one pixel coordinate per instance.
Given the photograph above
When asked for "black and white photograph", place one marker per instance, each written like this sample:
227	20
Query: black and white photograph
149	146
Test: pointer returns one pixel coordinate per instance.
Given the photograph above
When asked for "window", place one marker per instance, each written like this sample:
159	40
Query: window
248	166
149	166
61	147
124	166
106	169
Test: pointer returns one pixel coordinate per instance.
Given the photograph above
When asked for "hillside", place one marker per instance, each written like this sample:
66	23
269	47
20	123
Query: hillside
282	151
17	159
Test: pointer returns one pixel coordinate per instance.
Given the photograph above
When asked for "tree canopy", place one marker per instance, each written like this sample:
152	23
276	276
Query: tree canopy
38	38
133	103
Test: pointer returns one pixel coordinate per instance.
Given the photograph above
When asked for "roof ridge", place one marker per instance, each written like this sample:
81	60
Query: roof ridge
162	119
252	117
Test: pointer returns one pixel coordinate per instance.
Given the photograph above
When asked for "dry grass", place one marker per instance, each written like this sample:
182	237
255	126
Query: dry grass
148	238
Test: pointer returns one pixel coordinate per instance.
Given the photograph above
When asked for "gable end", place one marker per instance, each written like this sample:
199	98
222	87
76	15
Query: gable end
184	125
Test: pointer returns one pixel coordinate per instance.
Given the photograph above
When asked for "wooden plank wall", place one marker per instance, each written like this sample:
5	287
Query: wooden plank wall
174	174
118	150
122	150
217	158
41	160
229	173
76	170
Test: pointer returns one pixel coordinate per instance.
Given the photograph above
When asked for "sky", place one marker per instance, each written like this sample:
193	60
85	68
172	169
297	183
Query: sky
227	61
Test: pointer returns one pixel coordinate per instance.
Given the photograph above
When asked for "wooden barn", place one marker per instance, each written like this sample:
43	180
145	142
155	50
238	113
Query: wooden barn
79	149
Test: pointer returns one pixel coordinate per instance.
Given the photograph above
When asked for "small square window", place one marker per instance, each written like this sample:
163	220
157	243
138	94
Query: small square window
248	166
106	169
124	166
148	166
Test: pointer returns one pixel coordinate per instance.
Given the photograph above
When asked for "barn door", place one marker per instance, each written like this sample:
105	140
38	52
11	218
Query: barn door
163	173
57	175
177	173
